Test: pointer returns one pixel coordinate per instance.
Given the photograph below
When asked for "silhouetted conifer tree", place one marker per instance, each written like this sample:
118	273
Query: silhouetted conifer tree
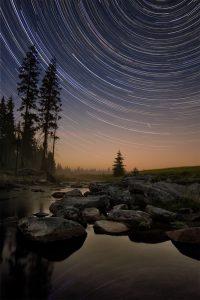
118	166
3	113
10	134
50	106
28	90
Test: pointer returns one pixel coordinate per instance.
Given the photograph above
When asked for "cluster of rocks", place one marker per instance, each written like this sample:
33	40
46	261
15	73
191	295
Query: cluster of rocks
135	205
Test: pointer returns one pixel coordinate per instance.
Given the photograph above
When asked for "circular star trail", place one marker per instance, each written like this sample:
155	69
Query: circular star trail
129	72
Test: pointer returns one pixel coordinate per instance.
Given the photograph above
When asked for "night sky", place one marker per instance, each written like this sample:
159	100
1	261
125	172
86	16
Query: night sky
129	72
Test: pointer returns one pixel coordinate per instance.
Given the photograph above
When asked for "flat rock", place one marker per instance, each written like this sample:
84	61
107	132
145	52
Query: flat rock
73	193
91	214
49	229
187	235
110	227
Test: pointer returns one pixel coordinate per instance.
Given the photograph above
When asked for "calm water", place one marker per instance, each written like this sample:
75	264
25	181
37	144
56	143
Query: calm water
105	267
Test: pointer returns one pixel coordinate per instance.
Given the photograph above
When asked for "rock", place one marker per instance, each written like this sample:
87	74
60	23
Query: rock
177	225
73	193
76	185
70	213
91	214
49	229
98	187
160	214
100	202
58	195
120	206
133	218
185	210
110	227
187	235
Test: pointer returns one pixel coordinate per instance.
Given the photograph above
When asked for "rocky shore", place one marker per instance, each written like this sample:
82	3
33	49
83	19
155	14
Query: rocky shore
137	207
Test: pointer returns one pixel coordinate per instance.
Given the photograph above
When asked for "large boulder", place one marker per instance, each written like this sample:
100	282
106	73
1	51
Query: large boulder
98	187
160	214
133	218
100	202
91	214
187	235
49	229
110	227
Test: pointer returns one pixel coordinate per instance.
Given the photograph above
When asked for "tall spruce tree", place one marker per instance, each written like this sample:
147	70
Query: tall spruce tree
3	114
28	90
10	134
50	106
118	166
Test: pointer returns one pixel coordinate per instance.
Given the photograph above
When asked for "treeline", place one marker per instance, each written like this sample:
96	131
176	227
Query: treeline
30	141
60	170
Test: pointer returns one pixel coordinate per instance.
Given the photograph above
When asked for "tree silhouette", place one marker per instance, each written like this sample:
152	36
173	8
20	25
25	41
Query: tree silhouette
118	166
3	112
10	134
50	106
28	90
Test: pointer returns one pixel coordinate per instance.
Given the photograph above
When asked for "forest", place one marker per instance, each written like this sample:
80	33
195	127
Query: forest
29	142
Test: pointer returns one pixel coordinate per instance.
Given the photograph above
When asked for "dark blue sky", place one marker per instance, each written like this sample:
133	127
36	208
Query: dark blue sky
129	72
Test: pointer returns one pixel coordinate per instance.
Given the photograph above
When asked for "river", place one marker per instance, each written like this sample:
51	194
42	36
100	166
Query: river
104	267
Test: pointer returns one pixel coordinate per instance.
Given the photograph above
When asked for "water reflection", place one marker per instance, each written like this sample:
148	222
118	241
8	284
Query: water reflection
192	251
149	237
25	275
55	251
141	266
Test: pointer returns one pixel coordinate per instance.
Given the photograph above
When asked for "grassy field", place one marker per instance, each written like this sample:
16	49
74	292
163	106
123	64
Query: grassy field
179	175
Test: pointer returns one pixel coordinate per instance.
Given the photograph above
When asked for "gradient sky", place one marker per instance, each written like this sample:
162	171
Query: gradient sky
129	72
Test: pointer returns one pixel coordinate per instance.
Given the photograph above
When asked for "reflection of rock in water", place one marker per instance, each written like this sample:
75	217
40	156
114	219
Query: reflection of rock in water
190	250
149	237
53	251
25	275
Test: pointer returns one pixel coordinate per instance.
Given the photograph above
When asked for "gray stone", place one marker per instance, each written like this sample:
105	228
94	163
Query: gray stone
120	206
99	202
133	218
73	193
110	227
160	214
49	229
91	214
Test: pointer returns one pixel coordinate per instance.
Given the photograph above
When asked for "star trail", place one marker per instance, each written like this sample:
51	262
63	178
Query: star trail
129	72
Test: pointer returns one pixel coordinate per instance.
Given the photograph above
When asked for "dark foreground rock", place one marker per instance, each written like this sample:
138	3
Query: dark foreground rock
187	235
110	227
132	218
49	229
